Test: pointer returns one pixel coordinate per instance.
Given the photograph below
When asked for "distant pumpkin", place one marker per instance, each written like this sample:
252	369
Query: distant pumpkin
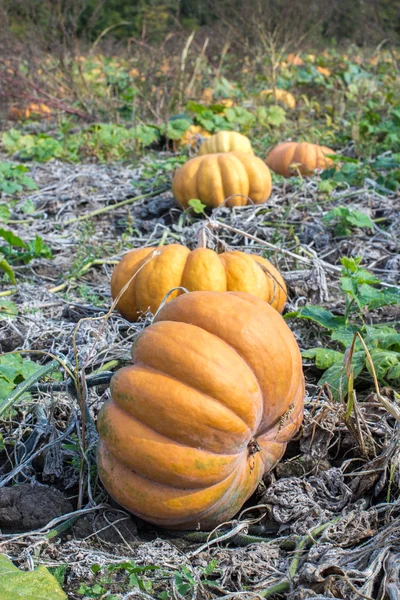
281	96
294	59
213	178
304	157
31	111
193	136
159	270
226	141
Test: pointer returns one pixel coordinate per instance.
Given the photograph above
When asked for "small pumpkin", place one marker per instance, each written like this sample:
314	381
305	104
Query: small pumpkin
214	395
212	178
307	157
281	96
192	136
294	59
226	141
32	111
159	270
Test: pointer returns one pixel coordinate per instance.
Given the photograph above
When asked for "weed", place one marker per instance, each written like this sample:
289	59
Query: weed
362	292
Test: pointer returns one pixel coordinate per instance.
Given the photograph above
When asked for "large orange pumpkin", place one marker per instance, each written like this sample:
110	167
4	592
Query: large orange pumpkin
213	178
303	156
159	270
226	141
214	395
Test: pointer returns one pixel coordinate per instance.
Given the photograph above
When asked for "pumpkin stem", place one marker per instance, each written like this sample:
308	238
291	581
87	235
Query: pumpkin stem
253	447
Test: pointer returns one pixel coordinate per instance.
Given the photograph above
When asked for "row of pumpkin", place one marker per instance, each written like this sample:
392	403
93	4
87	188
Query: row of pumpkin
216	388
227	171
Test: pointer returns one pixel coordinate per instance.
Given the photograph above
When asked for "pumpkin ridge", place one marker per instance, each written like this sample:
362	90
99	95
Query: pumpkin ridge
221	341
176	485
241	458
212	398
205	514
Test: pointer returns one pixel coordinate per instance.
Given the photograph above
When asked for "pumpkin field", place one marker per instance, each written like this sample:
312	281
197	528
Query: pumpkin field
200	321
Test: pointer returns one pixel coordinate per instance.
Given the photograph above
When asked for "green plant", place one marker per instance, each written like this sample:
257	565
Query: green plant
128	575
197	206
362	292
16	250
27	585
343	219
13	179
14	370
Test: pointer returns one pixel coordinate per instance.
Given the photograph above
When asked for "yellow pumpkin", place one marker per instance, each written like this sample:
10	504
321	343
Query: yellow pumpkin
159	270
304	157
226	141
213	178
193	135
214	395
281	96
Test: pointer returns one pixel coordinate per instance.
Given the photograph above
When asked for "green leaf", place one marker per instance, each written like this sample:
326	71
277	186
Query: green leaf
5	389
12	239
8	373
239	115
5	213
6	268
319	315
271	115
394	372
8	308
327	186
344	335
336	378
30	585
383	360
382	337
195	107
324	357
177	128
375	298
197	206
344	216
360	219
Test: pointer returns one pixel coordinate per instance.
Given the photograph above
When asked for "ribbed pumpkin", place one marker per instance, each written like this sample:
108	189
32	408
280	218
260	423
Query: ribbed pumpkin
215	393
159	270
213	178
226	141
281	96
307	157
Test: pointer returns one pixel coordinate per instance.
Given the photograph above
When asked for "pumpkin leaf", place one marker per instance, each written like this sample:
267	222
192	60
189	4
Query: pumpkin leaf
319	315
12	239
176	128
30	585
383	361
335	377
324	357
197	206
394	372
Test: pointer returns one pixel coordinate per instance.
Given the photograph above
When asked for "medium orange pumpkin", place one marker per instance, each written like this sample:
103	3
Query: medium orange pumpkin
159	270
307	157
214	395
213	178
226	141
